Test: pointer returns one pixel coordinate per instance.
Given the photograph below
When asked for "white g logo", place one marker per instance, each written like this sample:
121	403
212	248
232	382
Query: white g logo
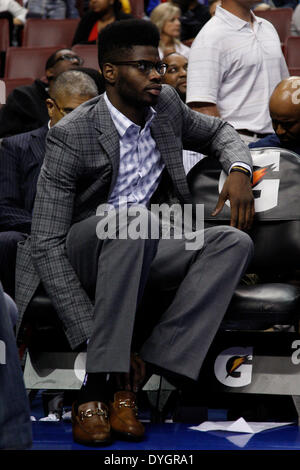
233	367
267	189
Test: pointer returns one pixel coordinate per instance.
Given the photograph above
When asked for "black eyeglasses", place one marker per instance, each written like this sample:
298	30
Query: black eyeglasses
63	111
145	66
71	58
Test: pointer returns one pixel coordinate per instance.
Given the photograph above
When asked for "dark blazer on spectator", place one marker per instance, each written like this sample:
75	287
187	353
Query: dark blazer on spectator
24	110
21	158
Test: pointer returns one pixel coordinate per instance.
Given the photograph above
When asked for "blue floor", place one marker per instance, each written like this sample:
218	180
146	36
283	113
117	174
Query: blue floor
172	436
57	436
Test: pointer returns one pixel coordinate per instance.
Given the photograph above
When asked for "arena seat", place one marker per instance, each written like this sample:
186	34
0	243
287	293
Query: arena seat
27	61
89	53
280	18
41	32
294	72
12	83
4	42
4	34
243	358
292	52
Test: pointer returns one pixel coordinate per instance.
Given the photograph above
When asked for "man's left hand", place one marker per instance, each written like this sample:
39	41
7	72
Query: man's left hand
238	190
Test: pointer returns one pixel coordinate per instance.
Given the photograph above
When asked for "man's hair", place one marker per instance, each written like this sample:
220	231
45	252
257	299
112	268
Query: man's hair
51	60
119	37
74	82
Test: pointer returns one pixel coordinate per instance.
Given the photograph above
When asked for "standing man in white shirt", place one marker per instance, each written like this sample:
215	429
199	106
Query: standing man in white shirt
15	9
234	65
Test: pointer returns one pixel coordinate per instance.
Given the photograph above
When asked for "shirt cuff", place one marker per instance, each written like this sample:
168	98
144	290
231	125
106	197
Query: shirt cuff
244	165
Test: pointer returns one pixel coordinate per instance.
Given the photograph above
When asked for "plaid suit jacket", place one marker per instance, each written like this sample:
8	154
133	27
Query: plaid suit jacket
79	172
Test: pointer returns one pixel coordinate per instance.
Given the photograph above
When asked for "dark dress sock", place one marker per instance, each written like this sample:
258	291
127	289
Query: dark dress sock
94	388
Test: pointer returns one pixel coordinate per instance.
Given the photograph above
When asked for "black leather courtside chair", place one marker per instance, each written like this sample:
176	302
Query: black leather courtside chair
245	358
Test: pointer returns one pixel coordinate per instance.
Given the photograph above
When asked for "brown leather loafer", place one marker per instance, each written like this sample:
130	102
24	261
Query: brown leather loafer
123	417
90	424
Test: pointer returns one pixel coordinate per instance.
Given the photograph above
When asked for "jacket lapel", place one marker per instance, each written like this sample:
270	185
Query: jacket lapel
108	138
38	143
171	153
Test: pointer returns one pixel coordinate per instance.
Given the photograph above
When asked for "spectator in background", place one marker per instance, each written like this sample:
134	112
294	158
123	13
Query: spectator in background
15	425
12	9
194	15
25	108
295	26
150	5
285	114
167	19
176	73
21	158
16	16
234	65
102	13
175	76
52	9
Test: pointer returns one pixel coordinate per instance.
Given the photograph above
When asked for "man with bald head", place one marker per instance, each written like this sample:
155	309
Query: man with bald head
285	114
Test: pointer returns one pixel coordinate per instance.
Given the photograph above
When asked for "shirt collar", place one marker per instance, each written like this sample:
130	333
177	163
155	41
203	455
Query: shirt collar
236	22
122	122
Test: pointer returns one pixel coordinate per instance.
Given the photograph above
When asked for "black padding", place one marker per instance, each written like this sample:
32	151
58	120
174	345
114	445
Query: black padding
264	305
46	329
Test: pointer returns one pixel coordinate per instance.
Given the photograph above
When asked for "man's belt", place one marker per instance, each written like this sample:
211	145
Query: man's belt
252	134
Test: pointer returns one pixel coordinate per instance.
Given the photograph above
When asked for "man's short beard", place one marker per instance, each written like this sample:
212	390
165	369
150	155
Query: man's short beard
182	95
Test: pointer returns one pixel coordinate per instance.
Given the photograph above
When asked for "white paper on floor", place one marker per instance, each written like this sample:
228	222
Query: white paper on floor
239	425
51	417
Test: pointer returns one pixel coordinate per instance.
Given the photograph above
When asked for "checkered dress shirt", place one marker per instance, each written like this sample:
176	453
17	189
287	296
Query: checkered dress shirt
140	161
